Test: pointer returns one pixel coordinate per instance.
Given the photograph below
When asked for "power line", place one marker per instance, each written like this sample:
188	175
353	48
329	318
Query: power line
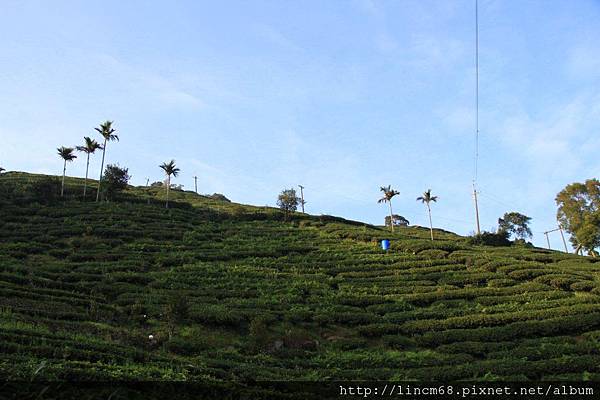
496	200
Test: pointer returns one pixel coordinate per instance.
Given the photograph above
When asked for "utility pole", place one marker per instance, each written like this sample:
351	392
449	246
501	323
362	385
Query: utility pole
476	209
563	238
196	184
561	234
302	202
147	189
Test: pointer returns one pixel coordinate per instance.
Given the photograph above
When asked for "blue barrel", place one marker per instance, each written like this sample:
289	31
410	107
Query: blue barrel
385	244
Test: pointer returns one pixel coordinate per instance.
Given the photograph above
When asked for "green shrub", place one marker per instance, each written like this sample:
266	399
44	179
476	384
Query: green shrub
489	239
582	286
186	346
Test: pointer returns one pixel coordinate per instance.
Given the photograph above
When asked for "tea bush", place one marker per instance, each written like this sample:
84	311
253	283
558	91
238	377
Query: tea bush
212	290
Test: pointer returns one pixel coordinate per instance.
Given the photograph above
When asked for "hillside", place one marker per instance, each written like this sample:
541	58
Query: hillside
233	293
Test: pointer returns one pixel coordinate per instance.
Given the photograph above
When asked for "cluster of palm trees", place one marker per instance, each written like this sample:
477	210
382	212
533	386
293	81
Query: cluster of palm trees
426	198
89	147
108	134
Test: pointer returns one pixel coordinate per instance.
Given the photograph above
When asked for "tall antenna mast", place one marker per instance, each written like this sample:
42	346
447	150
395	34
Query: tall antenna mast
476	114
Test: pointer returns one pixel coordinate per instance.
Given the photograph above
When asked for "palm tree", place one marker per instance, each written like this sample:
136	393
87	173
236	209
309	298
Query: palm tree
108	133
388	193
66	153
426	199
170	169
90	146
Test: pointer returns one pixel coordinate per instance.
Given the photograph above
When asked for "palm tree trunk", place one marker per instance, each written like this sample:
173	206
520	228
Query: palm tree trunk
87	167
101	171
168	188
430	224
62	186
391	216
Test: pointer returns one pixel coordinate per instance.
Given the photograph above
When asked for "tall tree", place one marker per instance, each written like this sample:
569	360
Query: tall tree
388	193
515	223
66	153
115	181
170	169
288	202
579	214
89	147
426	199
108	133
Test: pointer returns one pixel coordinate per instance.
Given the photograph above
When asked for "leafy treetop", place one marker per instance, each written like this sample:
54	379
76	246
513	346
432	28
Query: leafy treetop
516	224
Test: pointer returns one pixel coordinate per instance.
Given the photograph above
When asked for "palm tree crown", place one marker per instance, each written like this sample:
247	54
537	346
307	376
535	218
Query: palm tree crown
427	197
388	193
107	131
90	146
170	168
66	153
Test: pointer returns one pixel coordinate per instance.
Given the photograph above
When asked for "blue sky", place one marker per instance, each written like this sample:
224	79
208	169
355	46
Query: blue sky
340	96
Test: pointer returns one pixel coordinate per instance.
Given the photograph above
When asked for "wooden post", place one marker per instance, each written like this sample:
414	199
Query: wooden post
196	184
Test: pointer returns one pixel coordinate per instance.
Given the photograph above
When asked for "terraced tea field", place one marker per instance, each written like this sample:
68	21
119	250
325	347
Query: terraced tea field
233	293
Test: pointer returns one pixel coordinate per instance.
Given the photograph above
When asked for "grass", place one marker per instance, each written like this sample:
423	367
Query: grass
233	293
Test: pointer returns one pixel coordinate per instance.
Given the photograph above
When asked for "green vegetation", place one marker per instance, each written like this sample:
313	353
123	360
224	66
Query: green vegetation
398	220
515	223
214	291
288	201
115	181
579	213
